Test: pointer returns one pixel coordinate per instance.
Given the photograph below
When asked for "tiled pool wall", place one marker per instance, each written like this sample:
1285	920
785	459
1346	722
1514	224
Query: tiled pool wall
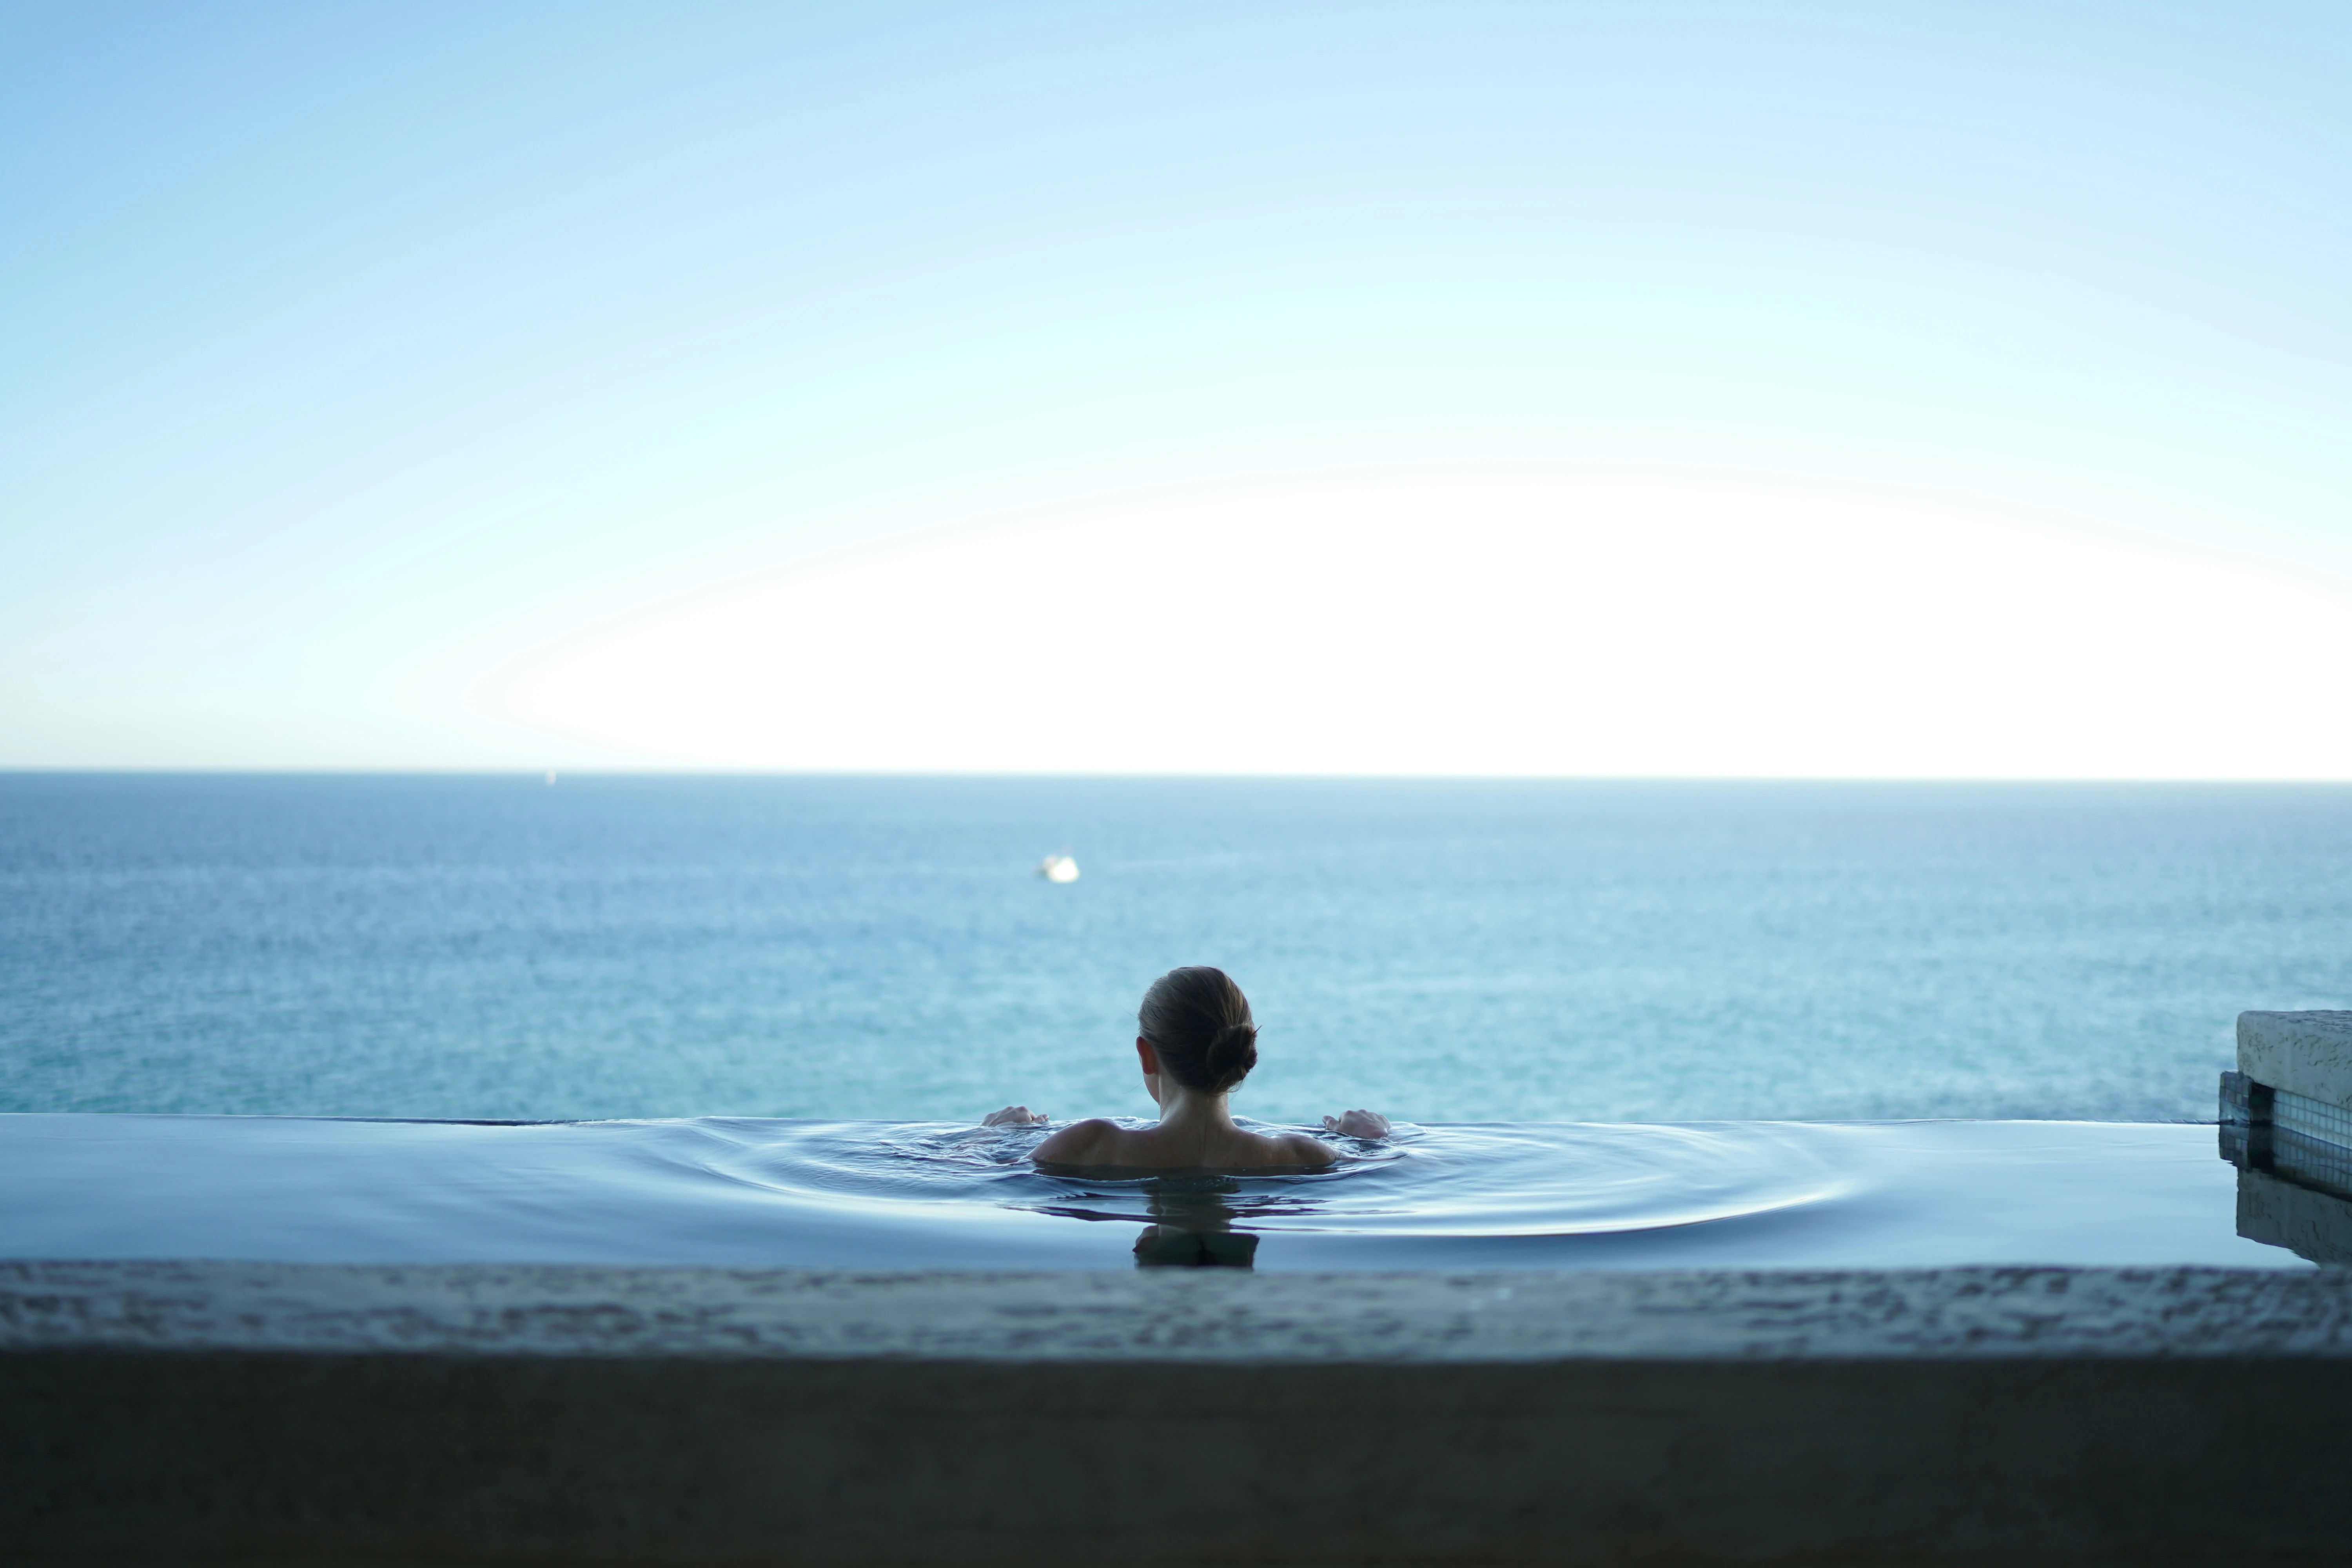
2286	1124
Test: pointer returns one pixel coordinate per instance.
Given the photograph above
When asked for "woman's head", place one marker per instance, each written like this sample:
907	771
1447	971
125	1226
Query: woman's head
1199	1024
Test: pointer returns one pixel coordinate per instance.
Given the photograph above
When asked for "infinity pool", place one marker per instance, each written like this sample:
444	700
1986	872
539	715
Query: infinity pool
873	1195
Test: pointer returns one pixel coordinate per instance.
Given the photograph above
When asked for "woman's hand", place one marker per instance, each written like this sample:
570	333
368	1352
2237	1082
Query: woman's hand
1358	1124
1018	1116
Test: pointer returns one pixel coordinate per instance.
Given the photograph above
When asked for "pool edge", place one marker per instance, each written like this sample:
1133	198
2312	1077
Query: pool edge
275	1413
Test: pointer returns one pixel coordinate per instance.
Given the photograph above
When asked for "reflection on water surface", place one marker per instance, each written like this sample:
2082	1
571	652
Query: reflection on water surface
1475	1179
742	1193
2293	1156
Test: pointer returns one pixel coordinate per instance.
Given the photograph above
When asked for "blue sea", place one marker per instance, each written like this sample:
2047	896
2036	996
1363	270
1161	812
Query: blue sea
499	947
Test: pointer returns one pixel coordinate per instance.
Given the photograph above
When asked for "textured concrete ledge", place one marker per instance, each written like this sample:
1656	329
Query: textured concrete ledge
222	1413
2308	1054
1186	1315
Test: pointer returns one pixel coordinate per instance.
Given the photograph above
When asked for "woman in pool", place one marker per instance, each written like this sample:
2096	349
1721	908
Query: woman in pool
1196	1045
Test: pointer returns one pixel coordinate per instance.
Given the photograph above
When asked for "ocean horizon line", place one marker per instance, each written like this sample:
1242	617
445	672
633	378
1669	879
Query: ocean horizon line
1108	776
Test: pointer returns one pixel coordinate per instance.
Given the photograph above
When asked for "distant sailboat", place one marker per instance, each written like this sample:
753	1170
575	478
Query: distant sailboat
1058	868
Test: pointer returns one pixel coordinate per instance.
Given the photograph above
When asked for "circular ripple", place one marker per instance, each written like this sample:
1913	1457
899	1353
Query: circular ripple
1471	1179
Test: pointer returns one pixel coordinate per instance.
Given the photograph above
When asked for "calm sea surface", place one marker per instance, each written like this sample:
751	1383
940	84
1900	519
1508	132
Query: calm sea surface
494	947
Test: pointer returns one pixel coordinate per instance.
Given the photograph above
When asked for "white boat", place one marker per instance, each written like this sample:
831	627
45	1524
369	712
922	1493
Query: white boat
1058	868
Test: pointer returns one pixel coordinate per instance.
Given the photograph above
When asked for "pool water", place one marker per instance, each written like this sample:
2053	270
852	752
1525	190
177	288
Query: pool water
743	1191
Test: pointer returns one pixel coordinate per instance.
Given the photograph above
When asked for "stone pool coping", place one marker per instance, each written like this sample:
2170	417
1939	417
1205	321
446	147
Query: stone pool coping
218	1413
1187	1315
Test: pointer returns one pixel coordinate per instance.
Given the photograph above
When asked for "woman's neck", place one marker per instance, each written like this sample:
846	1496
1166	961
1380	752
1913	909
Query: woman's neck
1185	1110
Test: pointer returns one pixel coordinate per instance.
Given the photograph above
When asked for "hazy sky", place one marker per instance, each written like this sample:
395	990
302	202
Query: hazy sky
1626	388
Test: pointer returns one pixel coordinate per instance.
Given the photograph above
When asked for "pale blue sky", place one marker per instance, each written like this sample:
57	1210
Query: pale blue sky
360	365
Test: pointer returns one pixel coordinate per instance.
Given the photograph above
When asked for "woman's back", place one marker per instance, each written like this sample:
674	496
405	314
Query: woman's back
1196	1042
1194	1143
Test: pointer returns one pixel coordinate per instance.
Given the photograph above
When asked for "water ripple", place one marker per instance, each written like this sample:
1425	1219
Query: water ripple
1464	1180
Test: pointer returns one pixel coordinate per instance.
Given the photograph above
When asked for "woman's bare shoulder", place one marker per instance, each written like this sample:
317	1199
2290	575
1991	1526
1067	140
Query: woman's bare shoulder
1079	1143
1304	1149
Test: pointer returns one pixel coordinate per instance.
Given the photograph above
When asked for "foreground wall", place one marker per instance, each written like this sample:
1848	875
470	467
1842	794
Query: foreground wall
270	1413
